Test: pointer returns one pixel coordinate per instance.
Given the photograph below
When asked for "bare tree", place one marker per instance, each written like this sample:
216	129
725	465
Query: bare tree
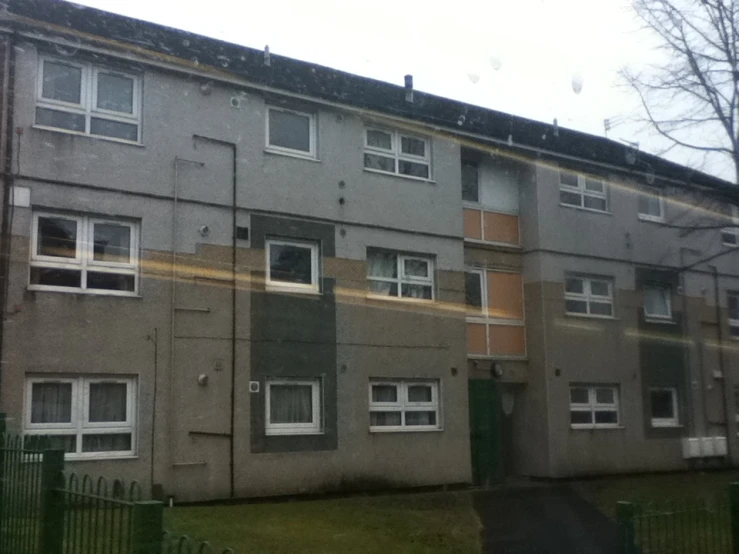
692	99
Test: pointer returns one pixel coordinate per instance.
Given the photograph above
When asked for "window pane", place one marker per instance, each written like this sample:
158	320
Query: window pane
382	264
416	268
413	169
111	281
568	179
114	129
289	130
115	93
60	120
107	402
413	146
604	396
595	203
729	236
381	163
384	393
385	419
576	306
579	395
570	198
662	405
657	301
578	417
419	393
290	404
600	288
593	185
416	291
68	443
733	306
57	237
598	308
379	139
54	277
290	264
420	418
473	289
51	403
470	182
574	285
62	82
606	417
118	442
112	243
383	288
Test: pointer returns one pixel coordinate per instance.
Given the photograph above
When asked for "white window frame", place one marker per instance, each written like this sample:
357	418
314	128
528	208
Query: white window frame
313	287
80	424
395	153
593	406
732	231
587	296
665	421
659	317
652	193
582	191
311	154
88	99
403	279
84	260
313	428
402	405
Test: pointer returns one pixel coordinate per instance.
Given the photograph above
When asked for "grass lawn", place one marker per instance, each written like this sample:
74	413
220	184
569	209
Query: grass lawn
427	523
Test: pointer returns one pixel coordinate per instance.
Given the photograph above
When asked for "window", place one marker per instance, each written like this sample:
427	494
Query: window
474	291
404	405
86	99
657	302
400	275
730	235
663	406
292	265
394	152
582	192
293	407
593	406
88	417
733	302
651	204
291	131
470	181
590	296
80	253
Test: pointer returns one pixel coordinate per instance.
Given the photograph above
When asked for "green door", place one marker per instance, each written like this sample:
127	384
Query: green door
485	431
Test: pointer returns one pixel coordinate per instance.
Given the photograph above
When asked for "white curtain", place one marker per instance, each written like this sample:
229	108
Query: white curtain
51	403
291	404
382	264
107	402
655	301
117	442
384	393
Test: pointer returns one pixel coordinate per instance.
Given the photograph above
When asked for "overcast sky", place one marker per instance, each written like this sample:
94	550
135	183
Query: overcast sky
525	57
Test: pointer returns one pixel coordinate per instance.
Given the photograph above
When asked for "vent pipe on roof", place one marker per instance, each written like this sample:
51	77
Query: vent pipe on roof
409	88
267	60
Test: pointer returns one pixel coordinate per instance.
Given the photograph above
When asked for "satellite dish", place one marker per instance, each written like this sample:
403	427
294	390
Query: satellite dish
474	77
577	80
496	63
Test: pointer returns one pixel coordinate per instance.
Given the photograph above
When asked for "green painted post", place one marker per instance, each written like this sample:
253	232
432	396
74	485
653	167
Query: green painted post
626	535
3	423
148	527
52	502
734	509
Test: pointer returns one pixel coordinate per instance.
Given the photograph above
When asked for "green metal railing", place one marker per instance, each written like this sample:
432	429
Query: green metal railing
706	526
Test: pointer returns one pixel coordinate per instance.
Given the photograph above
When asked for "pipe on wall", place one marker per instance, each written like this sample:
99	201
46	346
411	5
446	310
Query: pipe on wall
721	365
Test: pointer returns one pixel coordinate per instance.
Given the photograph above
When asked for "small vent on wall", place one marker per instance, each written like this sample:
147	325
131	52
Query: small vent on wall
242	233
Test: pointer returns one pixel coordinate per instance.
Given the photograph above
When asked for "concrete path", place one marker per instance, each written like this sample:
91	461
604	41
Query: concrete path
542	520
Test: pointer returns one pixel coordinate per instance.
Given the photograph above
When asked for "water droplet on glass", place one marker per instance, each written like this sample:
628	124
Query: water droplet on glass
510	140
223	60
577	80
474	77
185	42
496	63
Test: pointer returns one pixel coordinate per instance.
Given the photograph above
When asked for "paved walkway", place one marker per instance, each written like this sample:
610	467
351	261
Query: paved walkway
542	520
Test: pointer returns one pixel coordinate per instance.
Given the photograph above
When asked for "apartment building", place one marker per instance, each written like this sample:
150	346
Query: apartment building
229	273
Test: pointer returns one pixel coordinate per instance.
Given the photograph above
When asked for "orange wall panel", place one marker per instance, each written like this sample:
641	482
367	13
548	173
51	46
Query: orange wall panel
472	224
476	339
507	340
501	228
505	295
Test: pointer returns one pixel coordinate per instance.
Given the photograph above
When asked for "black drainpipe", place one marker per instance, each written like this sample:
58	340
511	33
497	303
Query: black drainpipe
231	145
724	376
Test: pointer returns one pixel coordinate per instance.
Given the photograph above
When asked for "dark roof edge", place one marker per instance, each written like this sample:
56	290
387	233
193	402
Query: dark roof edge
337	86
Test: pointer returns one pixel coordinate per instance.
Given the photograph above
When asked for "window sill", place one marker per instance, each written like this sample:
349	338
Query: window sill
382	431
498	357
401	299
651	219
293	433
291	154
95	137
591	210
495	321
292	290
494	245
99	457
660	320
666	425
400	176
591	316
65	290
597	427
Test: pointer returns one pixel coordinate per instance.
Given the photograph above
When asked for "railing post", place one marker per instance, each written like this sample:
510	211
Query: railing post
626	535
52	502
3	446
147	527
734	510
